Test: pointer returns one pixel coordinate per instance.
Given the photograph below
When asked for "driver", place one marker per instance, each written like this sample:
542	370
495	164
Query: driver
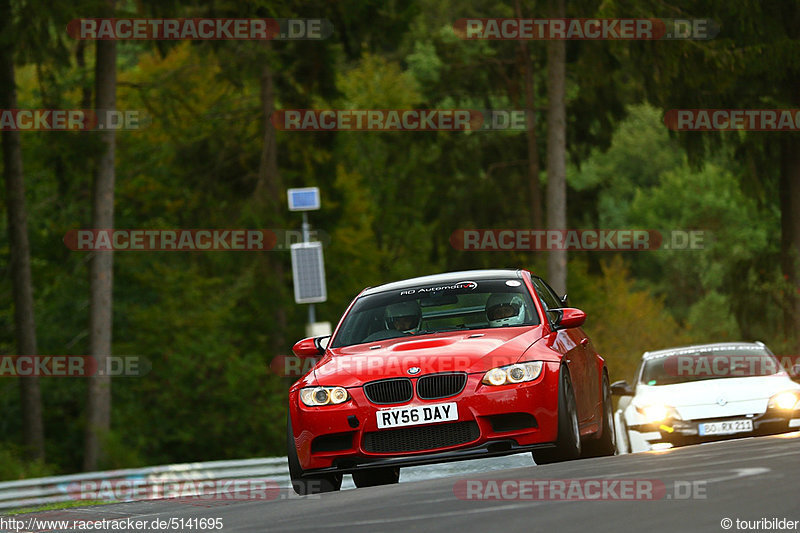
505	309
404	316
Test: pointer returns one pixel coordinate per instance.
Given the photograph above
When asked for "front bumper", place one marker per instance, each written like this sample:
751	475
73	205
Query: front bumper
681	432
495	448
502	420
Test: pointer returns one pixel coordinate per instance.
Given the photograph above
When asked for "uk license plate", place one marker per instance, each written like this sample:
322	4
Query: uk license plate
416	415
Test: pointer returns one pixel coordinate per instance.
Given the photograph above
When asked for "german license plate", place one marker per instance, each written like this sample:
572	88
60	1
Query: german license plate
416	415
725	428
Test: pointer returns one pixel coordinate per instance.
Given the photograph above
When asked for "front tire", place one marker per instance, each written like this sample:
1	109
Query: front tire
607	443
377	476
301	484
568	441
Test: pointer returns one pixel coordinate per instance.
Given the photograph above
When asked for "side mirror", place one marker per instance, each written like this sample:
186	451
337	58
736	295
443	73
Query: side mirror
621	388
311	346
570	318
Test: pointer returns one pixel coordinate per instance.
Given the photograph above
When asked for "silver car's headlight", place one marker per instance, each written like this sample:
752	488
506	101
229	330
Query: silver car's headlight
516	373
786	400
316	396
657	412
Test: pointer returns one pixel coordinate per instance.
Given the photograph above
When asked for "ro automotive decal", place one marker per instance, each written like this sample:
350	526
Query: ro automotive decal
461	285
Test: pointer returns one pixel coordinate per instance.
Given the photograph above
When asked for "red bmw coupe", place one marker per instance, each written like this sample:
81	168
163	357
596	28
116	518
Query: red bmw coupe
440	368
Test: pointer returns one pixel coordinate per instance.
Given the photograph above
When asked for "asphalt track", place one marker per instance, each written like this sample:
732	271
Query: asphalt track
745	479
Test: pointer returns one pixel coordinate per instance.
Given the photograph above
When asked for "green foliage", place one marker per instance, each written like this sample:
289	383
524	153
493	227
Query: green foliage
711	316
639	153
740	246
644	181
57	506
211	322
623	322
13	465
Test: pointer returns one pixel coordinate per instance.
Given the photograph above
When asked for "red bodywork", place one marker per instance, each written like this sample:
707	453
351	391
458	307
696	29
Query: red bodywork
474	352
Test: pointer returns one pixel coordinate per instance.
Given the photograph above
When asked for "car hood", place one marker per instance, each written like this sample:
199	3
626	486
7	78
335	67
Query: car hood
731	395
462	351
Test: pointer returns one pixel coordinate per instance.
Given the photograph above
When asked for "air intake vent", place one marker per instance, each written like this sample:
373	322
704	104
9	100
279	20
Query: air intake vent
416	439
435	386
389	391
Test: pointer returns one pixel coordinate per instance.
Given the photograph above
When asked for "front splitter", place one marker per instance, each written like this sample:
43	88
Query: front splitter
489	449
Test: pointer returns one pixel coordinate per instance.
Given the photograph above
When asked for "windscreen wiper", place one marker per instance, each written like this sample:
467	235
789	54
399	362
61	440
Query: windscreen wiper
428	331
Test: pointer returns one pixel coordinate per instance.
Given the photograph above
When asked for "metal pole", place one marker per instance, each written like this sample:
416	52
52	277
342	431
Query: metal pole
306	227
306	236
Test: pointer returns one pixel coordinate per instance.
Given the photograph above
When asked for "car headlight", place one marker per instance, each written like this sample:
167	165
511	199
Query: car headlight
516	373
657	412
784	400
316	396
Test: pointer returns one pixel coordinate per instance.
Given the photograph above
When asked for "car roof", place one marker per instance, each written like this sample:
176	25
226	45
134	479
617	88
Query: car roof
447	277
710	347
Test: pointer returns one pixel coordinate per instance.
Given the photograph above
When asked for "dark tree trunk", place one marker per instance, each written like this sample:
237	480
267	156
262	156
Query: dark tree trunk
101	270
268	186
790	234
24	321
556	152
534	186
268	194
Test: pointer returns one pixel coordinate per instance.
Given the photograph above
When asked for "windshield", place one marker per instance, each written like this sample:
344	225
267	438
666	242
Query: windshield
432	309
714	363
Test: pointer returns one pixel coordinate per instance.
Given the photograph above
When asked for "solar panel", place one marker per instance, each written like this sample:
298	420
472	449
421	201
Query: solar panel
304	199
308	270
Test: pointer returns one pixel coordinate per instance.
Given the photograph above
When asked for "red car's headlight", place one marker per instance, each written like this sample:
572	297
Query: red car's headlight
316	396
516	373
